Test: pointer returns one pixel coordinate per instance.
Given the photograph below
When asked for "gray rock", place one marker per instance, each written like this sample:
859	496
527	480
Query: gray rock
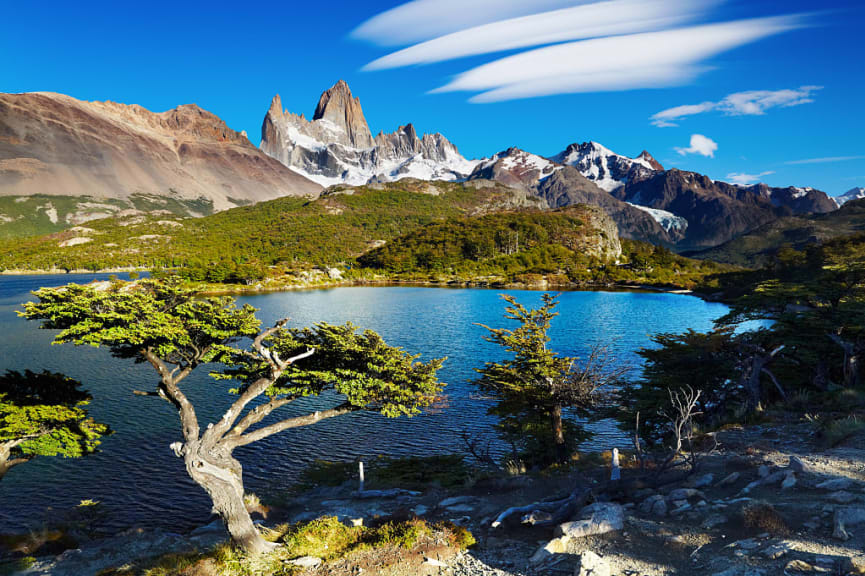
789	480
714	520
100	555
775	477
704	480
548	550
434	562
649	503
729	479
835	484
763	471
845	517
597	518
798	466
842	497
306	562
455	500
775	551
420	510
592	565
683	494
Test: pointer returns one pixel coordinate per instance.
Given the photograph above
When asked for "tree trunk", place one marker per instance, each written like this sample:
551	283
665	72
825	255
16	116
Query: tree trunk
221	476
558	432
5	454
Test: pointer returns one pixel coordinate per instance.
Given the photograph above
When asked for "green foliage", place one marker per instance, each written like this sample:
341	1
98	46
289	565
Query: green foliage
504	243
705	362
534	386
236	245
328	538
361	366
163	317
43	414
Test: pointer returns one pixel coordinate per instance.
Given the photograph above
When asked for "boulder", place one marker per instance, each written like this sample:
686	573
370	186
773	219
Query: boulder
648	504
597	518
789	480
845	517
592	565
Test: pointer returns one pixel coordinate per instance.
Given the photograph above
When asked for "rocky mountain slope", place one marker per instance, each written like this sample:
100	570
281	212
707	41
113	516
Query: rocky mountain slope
55	145
337	147
758	247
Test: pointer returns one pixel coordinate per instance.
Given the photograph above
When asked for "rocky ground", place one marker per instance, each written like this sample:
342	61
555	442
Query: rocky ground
767	501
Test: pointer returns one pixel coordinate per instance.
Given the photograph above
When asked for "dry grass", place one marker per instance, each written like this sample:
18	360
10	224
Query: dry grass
763	517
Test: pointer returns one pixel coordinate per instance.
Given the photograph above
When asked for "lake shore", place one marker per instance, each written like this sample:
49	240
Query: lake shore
700	524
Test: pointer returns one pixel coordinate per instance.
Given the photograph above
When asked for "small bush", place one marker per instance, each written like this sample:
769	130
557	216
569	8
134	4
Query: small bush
836	431
762	516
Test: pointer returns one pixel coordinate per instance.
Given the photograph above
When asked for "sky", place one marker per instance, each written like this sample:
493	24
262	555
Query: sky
740	90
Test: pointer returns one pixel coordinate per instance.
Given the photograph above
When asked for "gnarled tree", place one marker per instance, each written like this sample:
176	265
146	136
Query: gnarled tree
538	383
43	414
167	326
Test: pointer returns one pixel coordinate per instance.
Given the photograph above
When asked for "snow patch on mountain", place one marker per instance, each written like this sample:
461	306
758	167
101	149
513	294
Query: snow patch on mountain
667	220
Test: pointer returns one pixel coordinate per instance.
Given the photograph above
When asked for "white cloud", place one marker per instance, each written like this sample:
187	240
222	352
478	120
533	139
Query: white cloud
595	20
700	145
750	103
745	179
425	19
647	60
825	160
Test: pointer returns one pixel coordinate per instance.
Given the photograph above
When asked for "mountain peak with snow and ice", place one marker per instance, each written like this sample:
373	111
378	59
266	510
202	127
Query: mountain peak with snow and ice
852	194
606	168
337	146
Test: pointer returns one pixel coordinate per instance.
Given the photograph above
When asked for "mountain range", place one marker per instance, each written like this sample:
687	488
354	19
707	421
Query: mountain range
111	156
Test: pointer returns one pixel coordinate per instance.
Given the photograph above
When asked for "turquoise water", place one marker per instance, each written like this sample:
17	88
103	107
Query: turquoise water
142	483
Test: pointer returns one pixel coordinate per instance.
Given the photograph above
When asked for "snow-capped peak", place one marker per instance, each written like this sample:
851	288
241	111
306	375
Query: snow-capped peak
852	194
604	167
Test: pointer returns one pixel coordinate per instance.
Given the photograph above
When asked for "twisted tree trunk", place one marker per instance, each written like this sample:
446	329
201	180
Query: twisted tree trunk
6	460
221	476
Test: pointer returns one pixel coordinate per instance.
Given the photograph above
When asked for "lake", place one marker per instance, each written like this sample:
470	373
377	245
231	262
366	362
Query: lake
142	483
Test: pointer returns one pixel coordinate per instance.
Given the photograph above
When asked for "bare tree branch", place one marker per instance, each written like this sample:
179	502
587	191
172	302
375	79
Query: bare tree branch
297	422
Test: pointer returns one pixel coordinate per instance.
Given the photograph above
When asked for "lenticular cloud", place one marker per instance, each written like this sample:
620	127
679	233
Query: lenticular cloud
609	45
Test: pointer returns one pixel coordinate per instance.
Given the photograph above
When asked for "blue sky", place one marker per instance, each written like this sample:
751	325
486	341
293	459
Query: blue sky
231	58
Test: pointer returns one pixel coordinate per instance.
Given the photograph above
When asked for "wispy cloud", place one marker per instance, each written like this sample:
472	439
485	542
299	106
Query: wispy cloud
750	103
647	60
744	179
608	18
700	145
825	160
424	19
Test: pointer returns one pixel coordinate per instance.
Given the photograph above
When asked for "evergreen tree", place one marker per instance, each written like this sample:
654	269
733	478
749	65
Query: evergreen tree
176	332
43	414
